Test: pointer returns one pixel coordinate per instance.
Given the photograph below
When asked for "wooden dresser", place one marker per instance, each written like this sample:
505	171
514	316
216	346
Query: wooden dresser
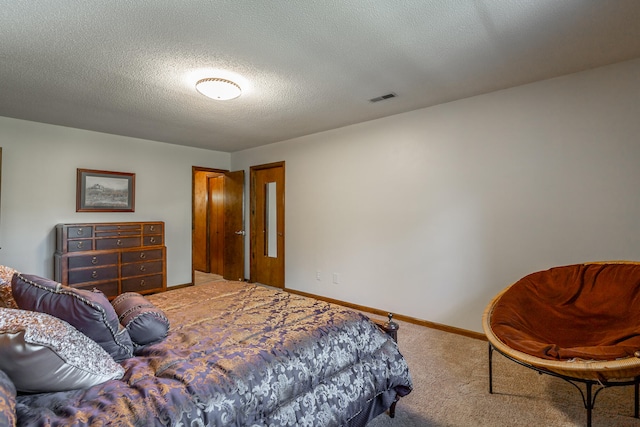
114	257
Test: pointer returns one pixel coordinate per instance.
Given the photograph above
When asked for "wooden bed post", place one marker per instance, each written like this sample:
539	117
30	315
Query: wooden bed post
390	328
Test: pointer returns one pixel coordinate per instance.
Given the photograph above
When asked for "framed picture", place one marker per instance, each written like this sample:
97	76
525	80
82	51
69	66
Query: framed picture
103	191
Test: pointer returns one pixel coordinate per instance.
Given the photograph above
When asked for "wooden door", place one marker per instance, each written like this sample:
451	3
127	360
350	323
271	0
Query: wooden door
267	224
200	232
234	233
216	224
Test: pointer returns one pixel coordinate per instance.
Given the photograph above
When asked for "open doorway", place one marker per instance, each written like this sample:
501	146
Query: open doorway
217	225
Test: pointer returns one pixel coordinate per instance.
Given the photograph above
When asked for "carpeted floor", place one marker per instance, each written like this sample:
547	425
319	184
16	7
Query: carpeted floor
450	376
201	278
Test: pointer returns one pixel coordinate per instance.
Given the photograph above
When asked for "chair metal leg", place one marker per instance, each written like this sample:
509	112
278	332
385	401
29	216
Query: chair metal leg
637	394
589	403
588	397
491	369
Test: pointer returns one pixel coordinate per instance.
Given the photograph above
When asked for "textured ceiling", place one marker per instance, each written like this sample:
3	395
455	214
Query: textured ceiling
129	67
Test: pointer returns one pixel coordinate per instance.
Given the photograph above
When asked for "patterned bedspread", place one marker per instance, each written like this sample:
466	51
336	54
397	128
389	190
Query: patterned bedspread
241	355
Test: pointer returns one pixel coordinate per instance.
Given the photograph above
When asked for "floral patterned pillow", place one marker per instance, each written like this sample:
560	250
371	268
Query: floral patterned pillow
6	299
41	353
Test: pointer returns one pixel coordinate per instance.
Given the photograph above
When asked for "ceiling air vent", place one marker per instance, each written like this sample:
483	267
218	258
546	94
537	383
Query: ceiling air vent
383	97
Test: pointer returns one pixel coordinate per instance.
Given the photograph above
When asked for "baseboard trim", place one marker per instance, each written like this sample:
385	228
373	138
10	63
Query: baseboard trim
409	319
184	285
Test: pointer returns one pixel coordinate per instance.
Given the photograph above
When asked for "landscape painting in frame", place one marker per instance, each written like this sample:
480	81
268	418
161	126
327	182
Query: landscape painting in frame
104	191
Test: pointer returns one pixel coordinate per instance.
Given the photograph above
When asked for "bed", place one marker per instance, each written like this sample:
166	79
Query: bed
237	355
578	322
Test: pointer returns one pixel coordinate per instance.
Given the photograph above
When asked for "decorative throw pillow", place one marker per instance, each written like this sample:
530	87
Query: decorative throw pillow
7	401
146	323
6	298
89	312
41	353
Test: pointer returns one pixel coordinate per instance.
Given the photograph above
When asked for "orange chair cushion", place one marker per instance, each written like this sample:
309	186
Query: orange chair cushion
584	311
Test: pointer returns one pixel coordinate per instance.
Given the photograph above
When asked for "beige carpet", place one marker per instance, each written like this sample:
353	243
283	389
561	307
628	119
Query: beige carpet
450	376
202	278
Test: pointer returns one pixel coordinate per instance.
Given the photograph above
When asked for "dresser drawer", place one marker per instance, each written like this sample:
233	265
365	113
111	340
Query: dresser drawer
142	284
96	260
155	228
110	289
117	233
93	274
152	240
80	245
79	232
142	255
110	228
117	243
140	268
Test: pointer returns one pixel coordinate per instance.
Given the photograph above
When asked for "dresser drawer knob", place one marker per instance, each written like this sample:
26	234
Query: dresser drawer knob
94	260
142	268
143	255
152	228
119	242
142	283
79	231
94	275
80	245
152	240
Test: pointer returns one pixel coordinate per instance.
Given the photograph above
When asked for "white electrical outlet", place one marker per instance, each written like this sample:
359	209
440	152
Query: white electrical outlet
318	277
336	278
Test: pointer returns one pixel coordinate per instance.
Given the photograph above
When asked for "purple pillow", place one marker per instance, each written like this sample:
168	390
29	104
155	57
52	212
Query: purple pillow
90	312
146	323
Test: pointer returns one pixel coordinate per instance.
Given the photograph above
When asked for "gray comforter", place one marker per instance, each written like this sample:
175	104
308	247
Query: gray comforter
242	355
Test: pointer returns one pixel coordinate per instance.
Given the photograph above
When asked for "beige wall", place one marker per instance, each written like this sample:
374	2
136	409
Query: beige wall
39	189
431	213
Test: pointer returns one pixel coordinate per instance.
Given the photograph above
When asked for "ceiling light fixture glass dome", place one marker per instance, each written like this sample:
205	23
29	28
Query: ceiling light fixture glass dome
218	89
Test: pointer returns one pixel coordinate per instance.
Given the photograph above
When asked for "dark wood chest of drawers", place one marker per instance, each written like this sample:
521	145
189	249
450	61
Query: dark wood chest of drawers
114	257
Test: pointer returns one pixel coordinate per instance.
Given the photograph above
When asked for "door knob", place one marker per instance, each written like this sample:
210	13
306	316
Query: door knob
241	232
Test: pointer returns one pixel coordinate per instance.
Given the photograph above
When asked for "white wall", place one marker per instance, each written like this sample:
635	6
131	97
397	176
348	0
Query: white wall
430	213
427	214
39	163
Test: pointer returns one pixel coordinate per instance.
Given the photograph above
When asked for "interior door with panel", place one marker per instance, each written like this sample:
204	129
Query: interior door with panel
267	224
234	233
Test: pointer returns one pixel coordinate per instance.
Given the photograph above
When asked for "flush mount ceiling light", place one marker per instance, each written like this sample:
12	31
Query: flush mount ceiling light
218	89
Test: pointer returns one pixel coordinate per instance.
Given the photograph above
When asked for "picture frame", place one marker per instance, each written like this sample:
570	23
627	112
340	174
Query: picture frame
105	191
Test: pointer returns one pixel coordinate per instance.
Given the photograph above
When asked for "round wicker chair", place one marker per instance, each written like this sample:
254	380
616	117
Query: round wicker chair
521	306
